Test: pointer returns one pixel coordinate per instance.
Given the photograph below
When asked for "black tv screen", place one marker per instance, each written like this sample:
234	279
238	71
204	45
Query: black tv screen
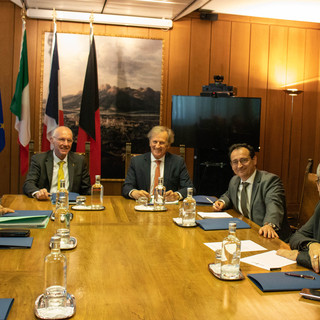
217	123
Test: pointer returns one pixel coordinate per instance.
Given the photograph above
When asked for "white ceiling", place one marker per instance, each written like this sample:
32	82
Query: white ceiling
300	10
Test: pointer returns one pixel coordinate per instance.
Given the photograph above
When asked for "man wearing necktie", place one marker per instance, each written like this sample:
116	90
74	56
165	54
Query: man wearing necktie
256	194
48	168
145	169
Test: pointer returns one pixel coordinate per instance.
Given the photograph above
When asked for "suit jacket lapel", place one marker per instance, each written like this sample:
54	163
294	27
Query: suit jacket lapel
147	160
234	193
71	165
255	185
167	167
49	167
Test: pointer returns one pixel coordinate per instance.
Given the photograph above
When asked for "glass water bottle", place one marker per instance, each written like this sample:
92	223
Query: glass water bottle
189	209
231	252
159	195
97	194
55	293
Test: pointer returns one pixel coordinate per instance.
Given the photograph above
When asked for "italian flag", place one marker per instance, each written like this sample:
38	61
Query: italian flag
20	105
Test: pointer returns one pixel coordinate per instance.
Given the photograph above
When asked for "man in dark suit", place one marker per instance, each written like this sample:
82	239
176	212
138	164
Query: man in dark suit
258	195
140	177
305	242
42	178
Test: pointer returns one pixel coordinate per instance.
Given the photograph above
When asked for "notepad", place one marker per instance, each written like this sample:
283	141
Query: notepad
15	242
221	224
278	281
25	219
5	306
72	197
204	200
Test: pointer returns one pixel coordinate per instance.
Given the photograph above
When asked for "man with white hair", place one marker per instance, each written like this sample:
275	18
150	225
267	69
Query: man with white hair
60	163
306	241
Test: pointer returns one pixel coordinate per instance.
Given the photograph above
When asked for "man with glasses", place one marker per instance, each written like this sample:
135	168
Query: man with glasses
305	242
60	163
258	195
142	175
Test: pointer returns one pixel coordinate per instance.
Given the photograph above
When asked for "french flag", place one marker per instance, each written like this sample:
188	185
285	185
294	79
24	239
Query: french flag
54	110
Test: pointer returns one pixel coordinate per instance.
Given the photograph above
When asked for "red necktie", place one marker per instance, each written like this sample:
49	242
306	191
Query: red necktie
156	174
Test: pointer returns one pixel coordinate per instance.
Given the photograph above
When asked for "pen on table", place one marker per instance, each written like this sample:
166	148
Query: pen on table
209	200
299	275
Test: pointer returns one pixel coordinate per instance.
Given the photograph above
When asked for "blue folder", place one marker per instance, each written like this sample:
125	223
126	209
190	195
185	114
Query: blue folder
72	197
25	219
204	200
5	306
221	224
15	242
278	281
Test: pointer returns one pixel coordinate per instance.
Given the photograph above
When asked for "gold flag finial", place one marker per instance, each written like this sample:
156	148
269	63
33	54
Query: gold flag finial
23	12
54	15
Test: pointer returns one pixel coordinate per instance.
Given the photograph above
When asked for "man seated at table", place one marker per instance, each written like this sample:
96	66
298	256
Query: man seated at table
48	168
144	170
258	195
4	210
305	242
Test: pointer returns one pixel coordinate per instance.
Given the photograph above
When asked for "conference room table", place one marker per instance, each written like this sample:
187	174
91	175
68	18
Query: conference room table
140	265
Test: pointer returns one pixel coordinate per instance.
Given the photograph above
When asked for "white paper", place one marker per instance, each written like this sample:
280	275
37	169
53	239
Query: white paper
267	260
205	215
246	246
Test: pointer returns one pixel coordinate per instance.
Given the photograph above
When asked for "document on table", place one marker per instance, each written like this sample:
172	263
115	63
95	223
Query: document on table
268	260
205	215
246	246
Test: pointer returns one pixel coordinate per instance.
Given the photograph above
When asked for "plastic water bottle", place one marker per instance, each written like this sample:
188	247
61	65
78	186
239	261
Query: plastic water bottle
97	194
159	195
189	209
231	252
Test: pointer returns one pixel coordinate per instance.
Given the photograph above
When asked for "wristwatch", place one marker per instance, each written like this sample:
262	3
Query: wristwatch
272	225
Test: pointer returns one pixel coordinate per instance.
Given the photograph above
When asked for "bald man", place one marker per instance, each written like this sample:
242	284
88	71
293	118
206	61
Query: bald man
42	178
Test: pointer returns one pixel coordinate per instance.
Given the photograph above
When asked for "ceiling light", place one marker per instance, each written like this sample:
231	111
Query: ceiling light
100	18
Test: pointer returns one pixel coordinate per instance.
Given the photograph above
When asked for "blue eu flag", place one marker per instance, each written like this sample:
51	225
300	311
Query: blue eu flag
2	137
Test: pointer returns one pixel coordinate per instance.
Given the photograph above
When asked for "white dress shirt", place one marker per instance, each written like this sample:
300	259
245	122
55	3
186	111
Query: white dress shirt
54	182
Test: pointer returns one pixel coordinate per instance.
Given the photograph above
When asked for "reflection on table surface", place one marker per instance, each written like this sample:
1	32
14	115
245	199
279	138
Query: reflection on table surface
141	265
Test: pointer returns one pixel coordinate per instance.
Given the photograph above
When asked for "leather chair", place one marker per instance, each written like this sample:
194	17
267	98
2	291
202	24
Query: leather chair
309	195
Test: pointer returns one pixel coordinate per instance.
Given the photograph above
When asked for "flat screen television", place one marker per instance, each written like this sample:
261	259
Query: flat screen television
215	123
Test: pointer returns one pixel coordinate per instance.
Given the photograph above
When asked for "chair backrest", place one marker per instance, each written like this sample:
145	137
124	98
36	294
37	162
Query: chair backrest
86	153
129	155
309	195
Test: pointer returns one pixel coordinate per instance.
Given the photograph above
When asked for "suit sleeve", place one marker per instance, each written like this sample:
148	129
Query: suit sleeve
131	180
85	185
274	201
185	181
226	197
31	184
309	232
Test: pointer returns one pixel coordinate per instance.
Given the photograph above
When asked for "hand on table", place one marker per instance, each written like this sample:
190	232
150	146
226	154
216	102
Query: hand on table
172	196
289	254
43	194
218	206
314	253
268	232
136	194
5	210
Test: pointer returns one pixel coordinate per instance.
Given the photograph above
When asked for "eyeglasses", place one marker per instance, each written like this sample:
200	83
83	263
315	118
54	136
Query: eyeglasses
242	161
62	140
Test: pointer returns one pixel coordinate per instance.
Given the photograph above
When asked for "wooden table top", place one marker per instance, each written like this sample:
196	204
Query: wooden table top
141	265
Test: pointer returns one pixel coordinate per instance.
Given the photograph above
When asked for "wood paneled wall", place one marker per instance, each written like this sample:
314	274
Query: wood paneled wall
260	57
